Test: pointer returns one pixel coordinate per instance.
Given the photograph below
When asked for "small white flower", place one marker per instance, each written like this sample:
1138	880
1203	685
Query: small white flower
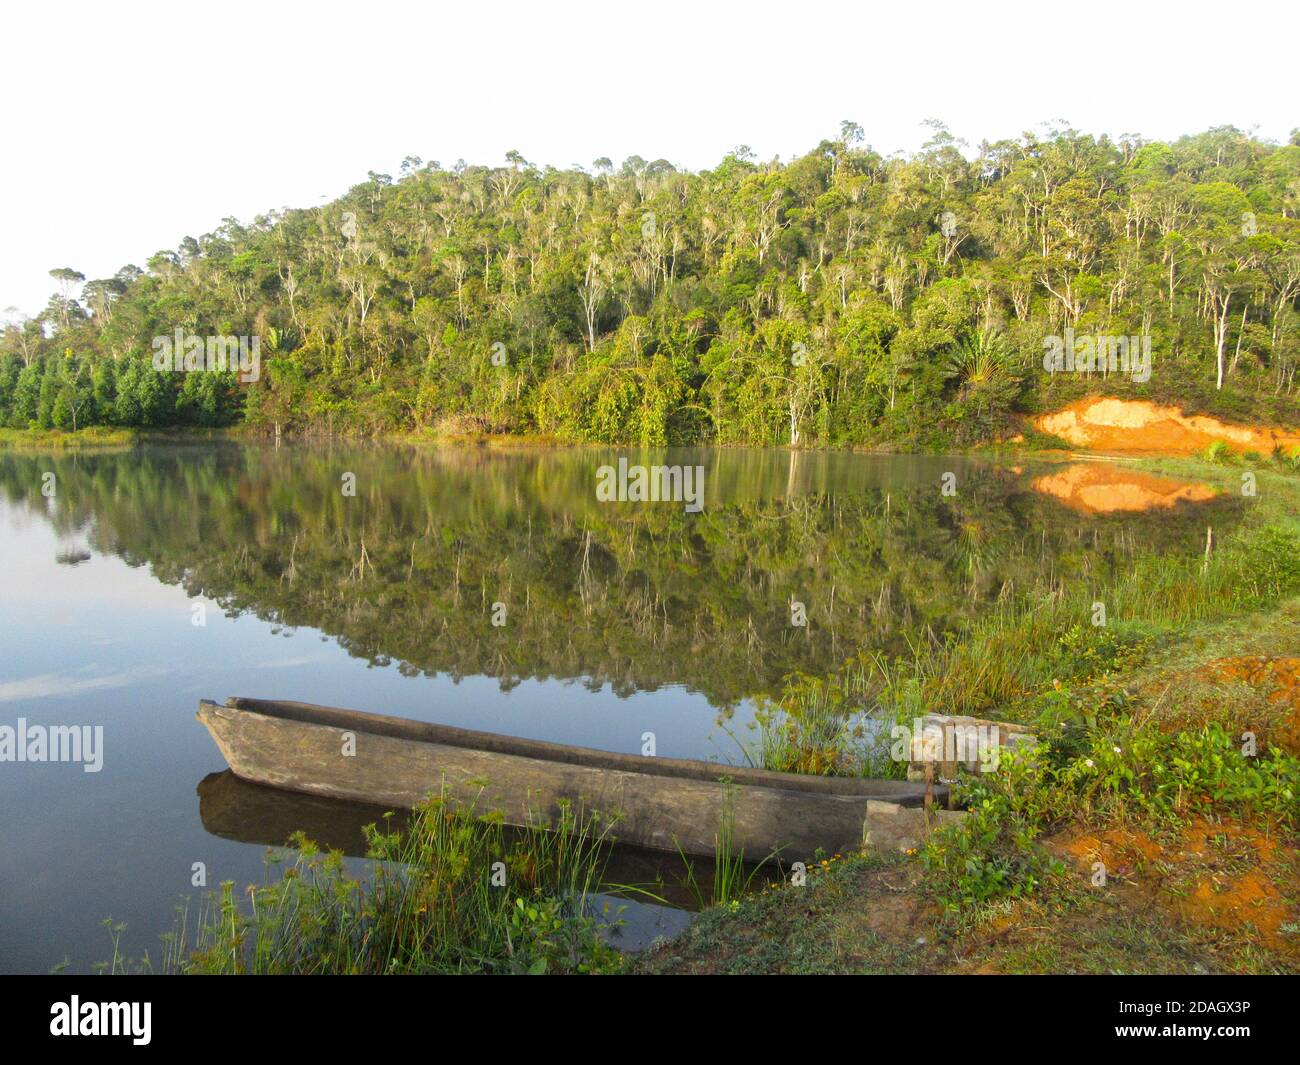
1117	750
1088	763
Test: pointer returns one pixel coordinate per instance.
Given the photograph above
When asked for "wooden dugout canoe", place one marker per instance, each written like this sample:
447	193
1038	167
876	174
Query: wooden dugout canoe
662	803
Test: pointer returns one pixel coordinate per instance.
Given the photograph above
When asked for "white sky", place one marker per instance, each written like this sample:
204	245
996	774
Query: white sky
129	126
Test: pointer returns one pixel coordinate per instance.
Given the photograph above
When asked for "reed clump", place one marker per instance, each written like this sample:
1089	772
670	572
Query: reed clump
452	891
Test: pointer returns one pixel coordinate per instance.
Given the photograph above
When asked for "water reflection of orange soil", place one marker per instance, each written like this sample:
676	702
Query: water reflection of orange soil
1096	488
1138	425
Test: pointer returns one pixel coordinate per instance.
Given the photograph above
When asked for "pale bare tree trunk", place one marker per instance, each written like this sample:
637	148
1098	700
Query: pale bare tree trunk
1220	304
1241	333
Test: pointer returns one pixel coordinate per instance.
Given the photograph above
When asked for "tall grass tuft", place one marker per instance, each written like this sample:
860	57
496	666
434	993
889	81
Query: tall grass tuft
453	892
732	878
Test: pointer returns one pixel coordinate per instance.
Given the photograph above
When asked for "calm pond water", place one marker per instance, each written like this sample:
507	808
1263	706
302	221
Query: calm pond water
620	619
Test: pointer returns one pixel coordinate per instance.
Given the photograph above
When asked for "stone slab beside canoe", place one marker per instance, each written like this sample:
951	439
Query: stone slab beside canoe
664	803
943	743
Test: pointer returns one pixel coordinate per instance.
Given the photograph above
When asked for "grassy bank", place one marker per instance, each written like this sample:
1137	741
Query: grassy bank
1146	842
106	437
495	441
1155	827
56	439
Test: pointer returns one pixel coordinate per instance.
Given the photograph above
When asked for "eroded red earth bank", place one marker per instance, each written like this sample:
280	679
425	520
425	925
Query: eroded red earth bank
1142	427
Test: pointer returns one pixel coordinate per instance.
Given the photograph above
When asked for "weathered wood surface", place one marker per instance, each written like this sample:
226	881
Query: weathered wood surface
662	803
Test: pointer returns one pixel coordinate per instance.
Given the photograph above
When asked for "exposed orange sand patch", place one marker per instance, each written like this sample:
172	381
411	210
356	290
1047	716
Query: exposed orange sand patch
1096	488
1121	846
1230	904
1140	426
1221	875
1226	901
1280	679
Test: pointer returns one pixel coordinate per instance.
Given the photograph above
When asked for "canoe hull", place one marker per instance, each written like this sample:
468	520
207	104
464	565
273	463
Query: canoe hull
319	754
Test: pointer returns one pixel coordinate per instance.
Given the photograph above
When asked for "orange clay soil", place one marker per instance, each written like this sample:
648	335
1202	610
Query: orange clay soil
1279	678
1094	488
1219	875
1140	426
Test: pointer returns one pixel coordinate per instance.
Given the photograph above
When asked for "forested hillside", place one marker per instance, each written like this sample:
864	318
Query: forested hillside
842	298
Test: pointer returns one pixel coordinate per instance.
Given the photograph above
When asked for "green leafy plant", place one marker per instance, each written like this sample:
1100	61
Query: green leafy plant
994	853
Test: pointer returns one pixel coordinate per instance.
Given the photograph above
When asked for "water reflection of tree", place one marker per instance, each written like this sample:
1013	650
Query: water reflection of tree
633	596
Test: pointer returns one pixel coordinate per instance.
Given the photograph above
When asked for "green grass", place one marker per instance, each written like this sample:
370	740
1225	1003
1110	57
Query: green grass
105	436
1121	771
733	877
454	892
842	920
94	437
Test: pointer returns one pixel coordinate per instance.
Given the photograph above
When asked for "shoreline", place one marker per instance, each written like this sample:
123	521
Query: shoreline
1094	426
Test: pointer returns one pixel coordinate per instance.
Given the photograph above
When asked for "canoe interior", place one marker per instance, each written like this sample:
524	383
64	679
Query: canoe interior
904	793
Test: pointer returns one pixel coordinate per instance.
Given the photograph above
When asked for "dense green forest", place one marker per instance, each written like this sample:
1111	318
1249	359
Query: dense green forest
843	298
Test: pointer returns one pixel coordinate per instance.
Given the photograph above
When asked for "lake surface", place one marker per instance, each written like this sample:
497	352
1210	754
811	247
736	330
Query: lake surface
618	619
